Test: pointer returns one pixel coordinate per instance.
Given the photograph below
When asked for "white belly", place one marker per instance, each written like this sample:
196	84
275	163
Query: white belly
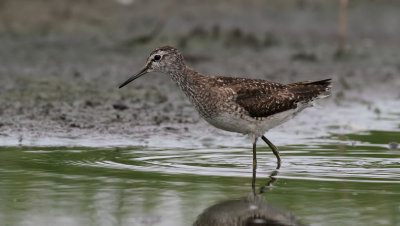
249	125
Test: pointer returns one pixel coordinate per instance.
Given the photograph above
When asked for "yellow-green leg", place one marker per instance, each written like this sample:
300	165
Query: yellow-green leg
274	150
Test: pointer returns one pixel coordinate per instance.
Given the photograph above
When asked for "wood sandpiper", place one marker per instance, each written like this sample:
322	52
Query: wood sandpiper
242	105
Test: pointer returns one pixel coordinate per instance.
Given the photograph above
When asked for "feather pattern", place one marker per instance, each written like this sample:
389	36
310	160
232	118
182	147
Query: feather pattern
262	98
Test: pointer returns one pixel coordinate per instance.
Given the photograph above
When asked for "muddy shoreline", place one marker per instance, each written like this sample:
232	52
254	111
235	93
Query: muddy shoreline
64	85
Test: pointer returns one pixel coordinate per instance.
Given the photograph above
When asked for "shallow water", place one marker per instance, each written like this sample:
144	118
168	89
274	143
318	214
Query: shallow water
351	179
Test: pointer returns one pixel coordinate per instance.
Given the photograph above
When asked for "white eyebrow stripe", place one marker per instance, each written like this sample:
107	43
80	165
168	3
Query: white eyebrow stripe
162	53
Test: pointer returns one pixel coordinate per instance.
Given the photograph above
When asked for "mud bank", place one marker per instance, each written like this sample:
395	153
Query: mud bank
63	83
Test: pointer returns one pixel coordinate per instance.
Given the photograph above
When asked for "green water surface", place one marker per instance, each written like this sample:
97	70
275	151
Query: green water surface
348	180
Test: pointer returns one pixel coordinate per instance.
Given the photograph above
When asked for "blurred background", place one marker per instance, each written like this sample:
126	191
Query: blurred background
61	61
74	145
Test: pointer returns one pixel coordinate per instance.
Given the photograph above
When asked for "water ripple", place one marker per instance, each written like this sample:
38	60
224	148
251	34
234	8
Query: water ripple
324	164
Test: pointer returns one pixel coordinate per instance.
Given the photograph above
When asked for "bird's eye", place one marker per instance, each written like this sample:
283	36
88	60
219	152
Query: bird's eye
157	57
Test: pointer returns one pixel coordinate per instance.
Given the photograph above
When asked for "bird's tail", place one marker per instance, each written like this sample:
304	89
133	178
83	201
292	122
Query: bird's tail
309	90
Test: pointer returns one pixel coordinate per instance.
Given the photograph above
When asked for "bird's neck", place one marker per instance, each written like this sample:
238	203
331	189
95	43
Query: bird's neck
193	84
184	77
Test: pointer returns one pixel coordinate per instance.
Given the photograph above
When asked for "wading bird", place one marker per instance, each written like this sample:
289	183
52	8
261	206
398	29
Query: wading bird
242	105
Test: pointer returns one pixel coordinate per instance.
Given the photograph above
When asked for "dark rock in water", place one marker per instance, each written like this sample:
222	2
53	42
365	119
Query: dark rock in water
393	145
120	106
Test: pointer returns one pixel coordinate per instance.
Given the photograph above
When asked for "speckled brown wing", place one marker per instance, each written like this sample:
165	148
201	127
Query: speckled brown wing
265	99
262	99
309	90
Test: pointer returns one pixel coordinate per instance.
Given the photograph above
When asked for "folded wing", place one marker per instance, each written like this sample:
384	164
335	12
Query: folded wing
262	99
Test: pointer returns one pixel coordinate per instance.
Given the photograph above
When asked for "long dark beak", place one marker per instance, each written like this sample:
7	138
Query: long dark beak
142	72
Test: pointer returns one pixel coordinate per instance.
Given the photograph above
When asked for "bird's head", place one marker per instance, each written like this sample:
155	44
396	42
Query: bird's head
165	59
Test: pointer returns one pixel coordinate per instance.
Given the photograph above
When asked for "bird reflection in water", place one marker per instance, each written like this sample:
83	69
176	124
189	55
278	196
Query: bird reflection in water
252	210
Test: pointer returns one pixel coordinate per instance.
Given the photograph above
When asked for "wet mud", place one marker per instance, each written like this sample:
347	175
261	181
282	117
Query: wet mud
60	79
